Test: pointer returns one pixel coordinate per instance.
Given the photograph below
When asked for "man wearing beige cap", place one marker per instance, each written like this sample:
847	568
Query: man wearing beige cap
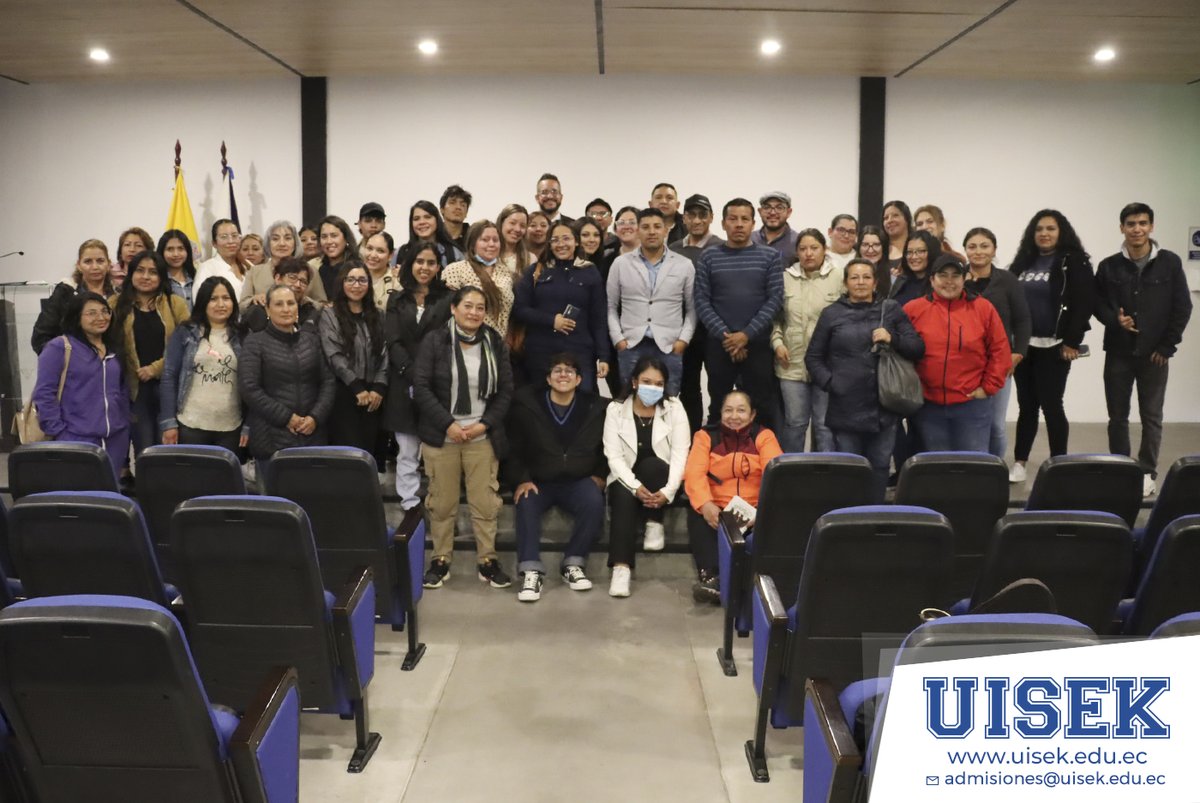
775	207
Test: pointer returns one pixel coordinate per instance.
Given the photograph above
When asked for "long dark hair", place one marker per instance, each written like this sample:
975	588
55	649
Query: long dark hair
128	295
644	362
595	256
204	295
344	228
439	234
1068	241
409	282
189	264
370	313
72	322
932	245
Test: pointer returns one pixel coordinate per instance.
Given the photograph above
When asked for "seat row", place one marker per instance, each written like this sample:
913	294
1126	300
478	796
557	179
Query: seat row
871	574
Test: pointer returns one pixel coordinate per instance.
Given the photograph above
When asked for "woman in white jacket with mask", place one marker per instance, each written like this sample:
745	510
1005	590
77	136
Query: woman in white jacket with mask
646	442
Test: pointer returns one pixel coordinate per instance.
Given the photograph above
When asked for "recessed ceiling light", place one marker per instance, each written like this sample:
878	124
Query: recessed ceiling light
427	46
98	54
770	47
1105	54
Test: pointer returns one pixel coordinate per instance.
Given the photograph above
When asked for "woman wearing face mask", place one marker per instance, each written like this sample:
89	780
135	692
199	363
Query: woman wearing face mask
198	397
351	331
646	441
376	252
1003	290
176	250
482	269
425	227
562	303
145	315
726	460
842	359
284	380
537	236
91	276
1055	272
337	245
282	243
92	405
810	285
898	226
420	307
132	241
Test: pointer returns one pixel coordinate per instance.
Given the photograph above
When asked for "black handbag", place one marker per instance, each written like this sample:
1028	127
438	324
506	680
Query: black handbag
899	385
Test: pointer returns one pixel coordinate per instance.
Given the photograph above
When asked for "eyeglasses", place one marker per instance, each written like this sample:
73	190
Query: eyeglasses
845	232
626	224
549	194
560	371
919	252
871	246
599	215
774	208
97	313
357	280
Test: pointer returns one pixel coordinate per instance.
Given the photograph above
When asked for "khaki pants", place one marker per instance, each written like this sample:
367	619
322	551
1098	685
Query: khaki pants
447	466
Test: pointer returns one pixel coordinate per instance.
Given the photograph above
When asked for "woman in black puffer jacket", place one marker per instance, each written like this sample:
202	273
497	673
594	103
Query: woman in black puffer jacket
285	382
842	359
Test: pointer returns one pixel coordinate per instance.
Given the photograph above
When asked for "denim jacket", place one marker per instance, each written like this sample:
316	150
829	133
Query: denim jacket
177	374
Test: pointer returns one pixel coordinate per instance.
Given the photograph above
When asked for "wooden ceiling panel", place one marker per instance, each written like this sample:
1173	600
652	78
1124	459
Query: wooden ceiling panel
50	41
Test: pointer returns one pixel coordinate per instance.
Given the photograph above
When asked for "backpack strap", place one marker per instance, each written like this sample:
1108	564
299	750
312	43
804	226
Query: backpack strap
62	378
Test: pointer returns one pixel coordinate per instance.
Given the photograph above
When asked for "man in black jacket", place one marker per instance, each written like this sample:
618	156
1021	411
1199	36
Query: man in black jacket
1144	304
556	459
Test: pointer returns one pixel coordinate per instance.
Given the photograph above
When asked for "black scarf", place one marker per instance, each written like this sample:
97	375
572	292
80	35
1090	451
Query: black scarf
487	366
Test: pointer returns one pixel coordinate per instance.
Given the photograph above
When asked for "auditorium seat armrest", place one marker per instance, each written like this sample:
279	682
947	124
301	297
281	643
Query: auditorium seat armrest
354	630
265	748
770	637
731	555
832	756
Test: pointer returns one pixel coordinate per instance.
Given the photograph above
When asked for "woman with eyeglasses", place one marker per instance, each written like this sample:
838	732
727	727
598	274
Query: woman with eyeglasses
872	246
91	275
726	461
145	315
351	331
921	251
198	399
80	393
562	302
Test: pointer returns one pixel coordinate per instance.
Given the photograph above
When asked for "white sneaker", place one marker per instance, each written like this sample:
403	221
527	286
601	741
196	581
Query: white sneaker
656	537
531	587
1148	486
619	585
575	579
1016	473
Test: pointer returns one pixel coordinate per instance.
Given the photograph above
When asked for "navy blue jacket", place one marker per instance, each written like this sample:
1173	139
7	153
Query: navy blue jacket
536	303
839	360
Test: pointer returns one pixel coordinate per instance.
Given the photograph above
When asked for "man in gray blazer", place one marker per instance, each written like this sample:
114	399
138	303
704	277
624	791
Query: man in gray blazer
650	302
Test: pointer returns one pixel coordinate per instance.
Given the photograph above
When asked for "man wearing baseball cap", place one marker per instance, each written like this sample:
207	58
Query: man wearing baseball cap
775	207
371	220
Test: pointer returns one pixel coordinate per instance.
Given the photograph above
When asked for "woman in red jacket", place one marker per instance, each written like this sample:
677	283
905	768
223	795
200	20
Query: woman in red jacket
726	460
966	360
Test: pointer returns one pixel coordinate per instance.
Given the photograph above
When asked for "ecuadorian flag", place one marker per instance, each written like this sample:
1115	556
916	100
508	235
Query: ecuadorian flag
180	214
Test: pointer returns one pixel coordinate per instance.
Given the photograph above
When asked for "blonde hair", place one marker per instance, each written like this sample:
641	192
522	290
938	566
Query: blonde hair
77	275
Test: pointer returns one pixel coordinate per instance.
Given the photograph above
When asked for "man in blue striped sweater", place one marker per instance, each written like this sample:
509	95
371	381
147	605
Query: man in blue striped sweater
739	288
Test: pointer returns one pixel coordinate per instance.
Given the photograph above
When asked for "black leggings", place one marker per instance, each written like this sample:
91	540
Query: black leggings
703	541
1041	383
627	510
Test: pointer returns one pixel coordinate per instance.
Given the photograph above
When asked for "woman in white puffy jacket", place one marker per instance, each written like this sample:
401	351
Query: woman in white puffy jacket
646	442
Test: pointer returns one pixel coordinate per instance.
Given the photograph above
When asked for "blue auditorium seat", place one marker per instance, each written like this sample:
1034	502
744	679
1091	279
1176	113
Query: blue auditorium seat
1084	558
247	567
338	487
1186	624
1178	496
59	466
968	488
842	726
1170	584
94	725
1107	482
869	570
797	489
94	542
168	475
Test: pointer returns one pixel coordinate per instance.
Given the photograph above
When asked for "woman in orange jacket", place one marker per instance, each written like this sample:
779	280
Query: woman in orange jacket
726	460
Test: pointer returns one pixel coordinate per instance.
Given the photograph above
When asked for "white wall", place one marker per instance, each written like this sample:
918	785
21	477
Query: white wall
613	137
994	153
90	160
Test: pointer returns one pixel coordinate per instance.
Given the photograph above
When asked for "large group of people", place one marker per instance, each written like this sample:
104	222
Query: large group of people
475	353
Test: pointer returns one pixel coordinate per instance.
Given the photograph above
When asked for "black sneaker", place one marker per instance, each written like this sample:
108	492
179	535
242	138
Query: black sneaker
707	589
491	573
439	572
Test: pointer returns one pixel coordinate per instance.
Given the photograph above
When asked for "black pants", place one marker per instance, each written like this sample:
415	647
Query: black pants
755	375
208	437
1121	373
1041	383
689	391
627	510
351	425
703	541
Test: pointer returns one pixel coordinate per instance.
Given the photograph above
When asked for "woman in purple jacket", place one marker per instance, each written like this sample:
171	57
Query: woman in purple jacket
93	403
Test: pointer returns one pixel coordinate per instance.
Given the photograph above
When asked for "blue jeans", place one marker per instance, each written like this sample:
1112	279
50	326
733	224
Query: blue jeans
803	402
876	447
628	358
582	499
963	427
998	440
